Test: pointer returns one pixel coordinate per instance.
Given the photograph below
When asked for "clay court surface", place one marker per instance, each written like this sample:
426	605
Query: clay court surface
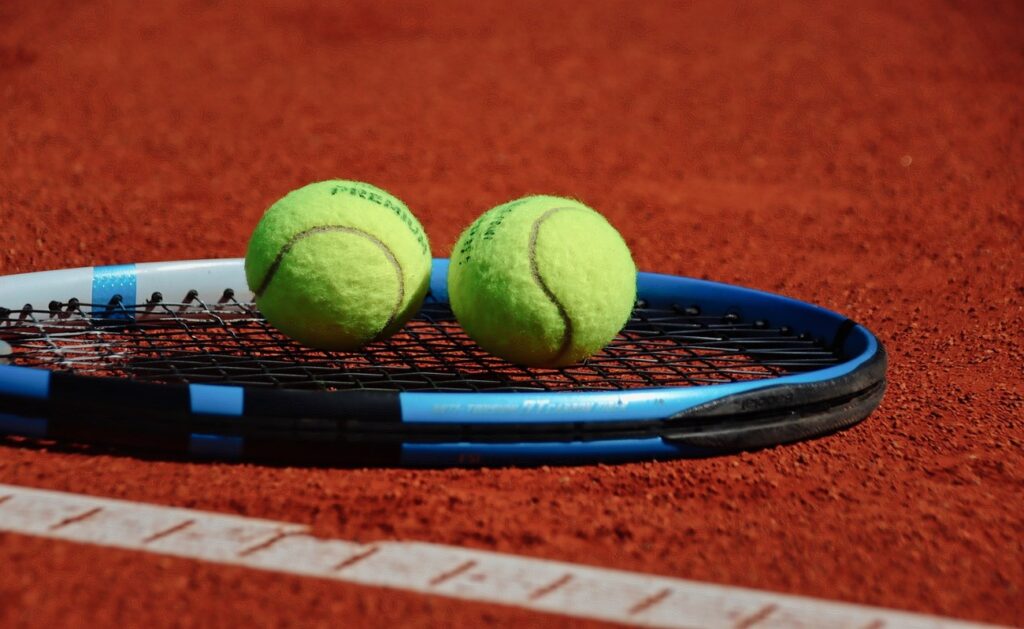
863	156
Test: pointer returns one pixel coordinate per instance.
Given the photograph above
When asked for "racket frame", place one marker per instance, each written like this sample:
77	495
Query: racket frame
433	428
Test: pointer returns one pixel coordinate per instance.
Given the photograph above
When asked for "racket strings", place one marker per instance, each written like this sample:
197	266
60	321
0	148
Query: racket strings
229	342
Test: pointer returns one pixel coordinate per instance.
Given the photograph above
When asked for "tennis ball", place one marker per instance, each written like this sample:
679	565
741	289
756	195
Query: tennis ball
542	281
337	264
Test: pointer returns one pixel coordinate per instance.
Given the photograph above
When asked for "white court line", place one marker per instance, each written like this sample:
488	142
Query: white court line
475	575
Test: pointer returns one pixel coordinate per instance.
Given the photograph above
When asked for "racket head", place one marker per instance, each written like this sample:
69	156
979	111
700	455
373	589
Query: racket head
702	368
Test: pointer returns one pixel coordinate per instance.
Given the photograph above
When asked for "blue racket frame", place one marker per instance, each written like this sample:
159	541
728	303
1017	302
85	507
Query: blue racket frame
788	407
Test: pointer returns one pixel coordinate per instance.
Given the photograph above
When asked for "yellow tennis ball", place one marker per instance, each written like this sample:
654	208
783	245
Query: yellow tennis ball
542	281
337	264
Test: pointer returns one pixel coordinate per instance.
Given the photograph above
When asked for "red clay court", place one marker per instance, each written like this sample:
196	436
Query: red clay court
865	157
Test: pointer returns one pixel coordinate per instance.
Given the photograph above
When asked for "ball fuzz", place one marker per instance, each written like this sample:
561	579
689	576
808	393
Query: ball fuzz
337	264
542	281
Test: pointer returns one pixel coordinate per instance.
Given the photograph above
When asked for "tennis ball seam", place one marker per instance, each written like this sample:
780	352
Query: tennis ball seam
567	329
321	229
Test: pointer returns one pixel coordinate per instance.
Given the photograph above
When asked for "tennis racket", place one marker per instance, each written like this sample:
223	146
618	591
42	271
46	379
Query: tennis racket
175	357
